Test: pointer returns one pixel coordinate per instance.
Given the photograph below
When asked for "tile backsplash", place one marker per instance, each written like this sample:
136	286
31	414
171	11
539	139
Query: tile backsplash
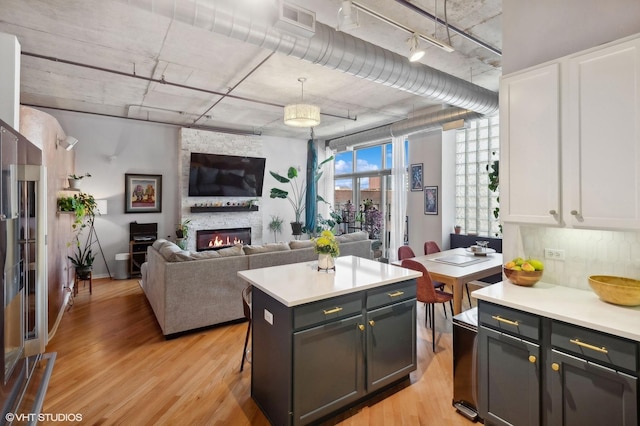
587	252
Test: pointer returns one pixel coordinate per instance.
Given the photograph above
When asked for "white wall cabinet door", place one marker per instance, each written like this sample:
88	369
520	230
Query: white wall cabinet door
530	148
601	138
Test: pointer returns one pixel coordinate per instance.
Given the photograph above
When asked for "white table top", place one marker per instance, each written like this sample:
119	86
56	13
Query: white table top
579	307
299	283
457	263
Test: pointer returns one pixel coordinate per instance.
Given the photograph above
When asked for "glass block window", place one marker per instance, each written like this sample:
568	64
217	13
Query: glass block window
477	147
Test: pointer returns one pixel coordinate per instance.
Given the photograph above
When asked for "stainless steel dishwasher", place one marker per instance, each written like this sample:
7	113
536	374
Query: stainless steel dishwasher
465	331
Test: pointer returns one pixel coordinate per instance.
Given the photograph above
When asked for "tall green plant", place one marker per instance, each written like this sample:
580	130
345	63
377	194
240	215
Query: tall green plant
296	195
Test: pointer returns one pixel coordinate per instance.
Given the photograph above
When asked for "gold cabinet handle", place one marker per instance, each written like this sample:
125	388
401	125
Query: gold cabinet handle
588	346
372	323
506	321
532	359
332	311
361	327
396	293
555	366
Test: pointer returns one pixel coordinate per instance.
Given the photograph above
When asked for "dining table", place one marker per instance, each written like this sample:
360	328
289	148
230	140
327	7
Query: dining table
458	266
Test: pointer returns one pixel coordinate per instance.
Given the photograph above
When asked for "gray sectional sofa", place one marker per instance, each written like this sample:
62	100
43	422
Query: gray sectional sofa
188	290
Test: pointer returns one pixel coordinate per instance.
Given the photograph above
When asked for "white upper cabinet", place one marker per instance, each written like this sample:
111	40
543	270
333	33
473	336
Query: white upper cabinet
570	151
601	139
530	146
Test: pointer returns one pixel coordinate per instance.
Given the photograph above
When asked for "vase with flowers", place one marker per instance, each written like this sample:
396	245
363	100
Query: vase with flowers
327	248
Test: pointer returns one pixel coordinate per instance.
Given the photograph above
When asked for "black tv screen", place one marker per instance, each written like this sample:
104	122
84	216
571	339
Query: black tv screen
215	175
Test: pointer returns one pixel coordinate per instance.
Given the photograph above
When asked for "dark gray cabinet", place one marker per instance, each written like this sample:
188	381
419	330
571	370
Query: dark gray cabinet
509	373
592	379
534	370
312	360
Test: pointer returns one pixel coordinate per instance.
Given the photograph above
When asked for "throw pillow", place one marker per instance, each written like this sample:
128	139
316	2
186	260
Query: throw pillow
266	248
181	256
297	244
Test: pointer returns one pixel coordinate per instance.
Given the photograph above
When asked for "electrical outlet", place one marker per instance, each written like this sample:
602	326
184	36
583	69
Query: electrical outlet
556	254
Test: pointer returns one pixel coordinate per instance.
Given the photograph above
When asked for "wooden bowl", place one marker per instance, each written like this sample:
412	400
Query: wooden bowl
523	278
616	290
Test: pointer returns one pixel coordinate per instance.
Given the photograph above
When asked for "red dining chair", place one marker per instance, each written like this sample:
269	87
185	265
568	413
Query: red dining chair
427	294
405	252
431	247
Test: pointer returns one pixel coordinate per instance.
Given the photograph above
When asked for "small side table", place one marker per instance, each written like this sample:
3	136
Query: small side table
77	283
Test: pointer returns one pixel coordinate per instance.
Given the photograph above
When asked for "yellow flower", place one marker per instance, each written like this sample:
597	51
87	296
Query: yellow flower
326	243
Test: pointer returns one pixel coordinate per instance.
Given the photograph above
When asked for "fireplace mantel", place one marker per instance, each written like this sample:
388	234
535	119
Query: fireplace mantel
225	209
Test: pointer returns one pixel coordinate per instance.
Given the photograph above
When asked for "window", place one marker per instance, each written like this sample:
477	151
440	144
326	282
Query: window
477	147
362	179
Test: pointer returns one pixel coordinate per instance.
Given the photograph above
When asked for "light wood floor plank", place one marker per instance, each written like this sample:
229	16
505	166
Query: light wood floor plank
115	368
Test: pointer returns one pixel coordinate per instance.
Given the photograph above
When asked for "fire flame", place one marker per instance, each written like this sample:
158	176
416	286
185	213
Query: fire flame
219	242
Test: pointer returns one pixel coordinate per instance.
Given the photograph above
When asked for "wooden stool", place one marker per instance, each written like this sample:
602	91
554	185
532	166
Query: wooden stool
77	282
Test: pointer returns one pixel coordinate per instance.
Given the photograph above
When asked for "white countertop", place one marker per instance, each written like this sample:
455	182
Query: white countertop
579	307
299	283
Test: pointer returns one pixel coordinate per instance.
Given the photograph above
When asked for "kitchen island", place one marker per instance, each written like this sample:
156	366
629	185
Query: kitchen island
323	341
571	358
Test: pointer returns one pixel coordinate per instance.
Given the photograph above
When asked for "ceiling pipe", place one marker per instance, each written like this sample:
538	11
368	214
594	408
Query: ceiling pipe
329	48
454	29
409	126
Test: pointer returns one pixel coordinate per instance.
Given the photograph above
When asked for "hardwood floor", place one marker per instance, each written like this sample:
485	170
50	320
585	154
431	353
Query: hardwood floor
115	367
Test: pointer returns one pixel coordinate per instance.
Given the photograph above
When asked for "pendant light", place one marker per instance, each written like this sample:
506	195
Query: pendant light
302	115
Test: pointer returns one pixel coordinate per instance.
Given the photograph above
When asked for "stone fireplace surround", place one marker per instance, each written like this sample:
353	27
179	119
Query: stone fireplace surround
192	140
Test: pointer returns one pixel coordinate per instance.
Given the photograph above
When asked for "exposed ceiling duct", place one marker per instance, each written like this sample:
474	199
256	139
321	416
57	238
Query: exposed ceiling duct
422	123
329	48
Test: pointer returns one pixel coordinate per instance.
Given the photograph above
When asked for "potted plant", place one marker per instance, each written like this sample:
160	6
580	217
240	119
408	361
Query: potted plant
297	194
82	259
327	248
84	206
275	226
182	232
74	180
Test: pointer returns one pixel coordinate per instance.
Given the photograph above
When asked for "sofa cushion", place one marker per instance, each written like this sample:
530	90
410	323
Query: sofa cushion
231	251
181	256
355	236
266	248
207	254
297	244
168	249
159	243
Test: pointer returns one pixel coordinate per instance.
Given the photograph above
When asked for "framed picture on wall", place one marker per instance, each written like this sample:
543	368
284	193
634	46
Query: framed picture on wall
416	177
142	193
430	200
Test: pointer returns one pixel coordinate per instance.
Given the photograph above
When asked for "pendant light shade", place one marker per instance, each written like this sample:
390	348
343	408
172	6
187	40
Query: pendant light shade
301	115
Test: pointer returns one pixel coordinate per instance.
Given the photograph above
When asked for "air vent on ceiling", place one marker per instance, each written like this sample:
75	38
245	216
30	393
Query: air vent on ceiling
296	20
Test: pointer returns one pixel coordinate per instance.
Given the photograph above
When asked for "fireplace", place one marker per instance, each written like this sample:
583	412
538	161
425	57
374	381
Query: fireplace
214	239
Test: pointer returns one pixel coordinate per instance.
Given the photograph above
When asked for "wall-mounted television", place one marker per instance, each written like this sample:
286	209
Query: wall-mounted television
216	175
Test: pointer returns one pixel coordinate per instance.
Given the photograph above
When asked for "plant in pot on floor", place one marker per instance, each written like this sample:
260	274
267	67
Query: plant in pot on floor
297	195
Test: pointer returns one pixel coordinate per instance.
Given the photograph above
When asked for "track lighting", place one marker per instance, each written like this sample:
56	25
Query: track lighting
415	52
347	16
67	143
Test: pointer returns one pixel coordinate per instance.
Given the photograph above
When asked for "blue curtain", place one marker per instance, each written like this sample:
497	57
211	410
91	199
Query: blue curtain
311	203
